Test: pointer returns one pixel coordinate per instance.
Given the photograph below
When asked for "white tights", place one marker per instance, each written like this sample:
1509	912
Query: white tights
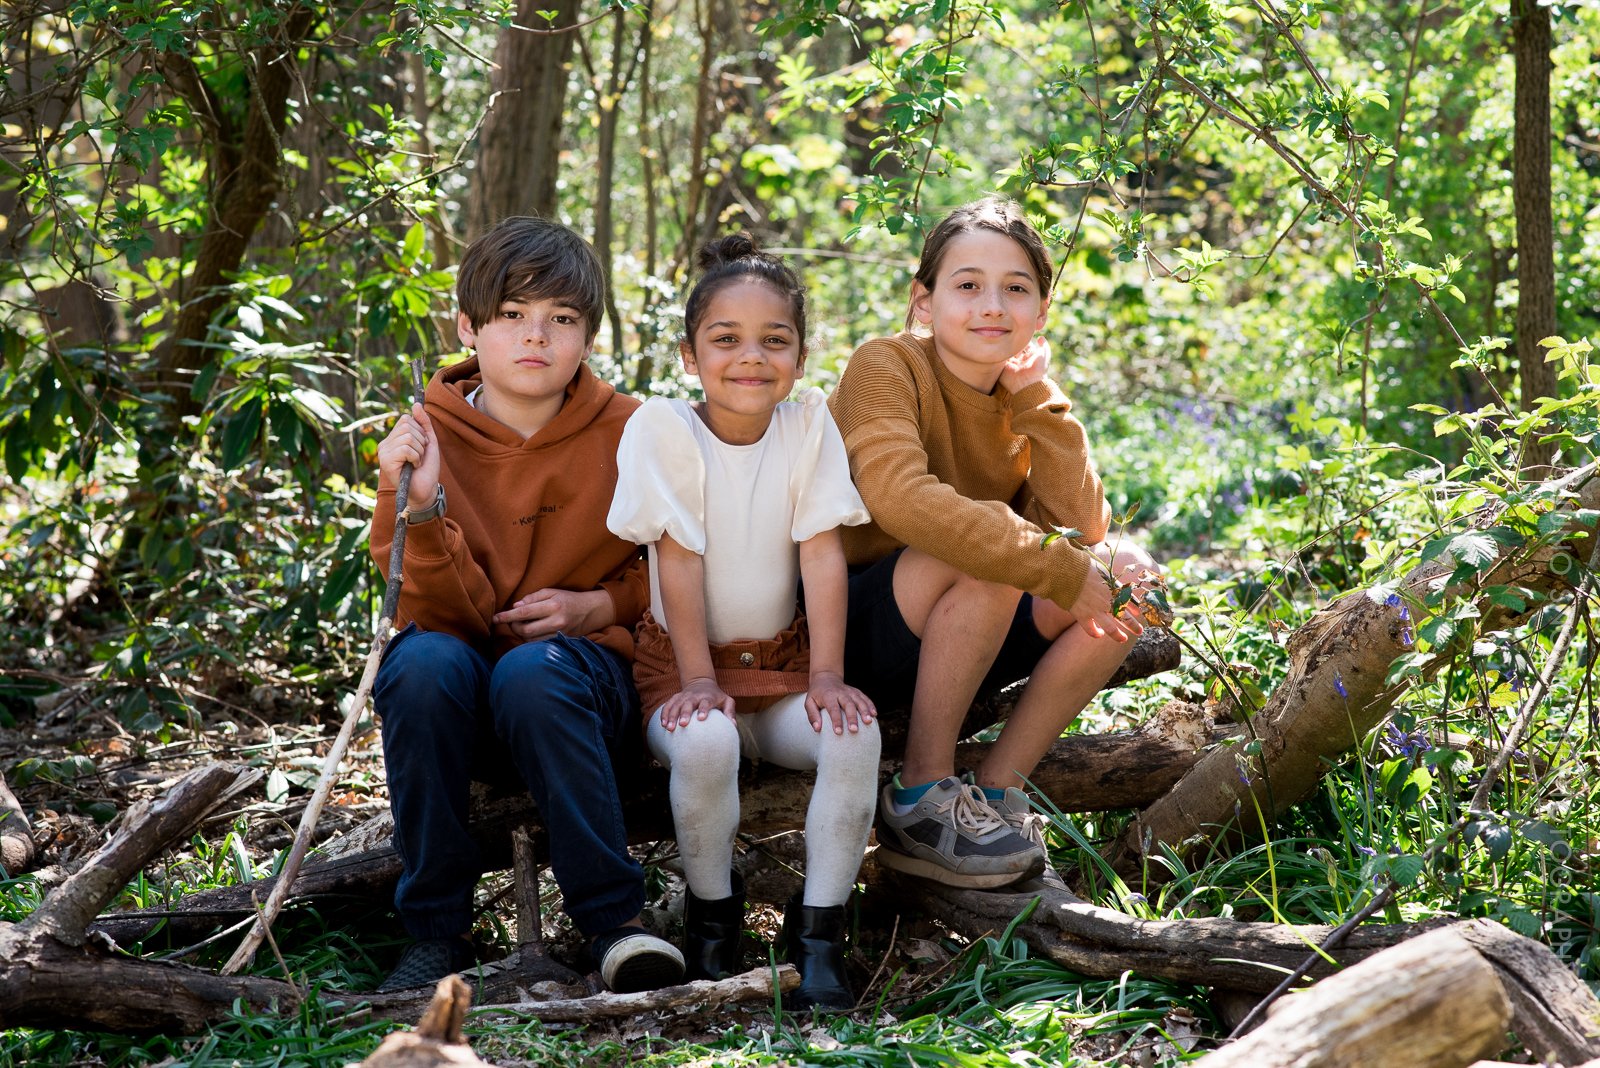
704	759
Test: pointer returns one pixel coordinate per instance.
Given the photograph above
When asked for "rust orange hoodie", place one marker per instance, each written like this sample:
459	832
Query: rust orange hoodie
521	515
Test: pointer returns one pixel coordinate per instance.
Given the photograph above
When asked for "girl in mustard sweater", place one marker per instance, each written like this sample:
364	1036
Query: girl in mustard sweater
967	457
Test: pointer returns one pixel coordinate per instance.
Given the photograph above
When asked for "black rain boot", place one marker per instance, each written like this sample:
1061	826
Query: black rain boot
712	933
813	941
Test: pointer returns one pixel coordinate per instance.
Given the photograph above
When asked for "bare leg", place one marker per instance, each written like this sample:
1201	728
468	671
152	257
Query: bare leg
1062	684
962	622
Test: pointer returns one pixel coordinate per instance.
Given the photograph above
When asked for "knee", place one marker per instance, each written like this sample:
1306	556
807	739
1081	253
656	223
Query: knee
858	750
925	586
539	685
426	672
978	592
702	753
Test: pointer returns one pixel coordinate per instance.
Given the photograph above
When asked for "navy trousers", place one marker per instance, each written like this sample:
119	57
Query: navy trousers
554	713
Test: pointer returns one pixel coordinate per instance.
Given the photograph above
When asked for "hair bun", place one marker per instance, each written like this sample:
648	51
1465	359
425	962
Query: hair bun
726	249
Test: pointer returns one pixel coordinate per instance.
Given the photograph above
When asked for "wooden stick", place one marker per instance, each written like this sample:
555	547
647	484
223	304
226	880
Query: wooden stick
16	837
753	985
525	872
330	766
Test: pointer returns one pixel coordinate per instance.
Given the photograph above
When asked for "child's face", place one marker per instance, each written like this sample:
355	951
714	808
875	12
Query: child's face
747	352
985	305
530	350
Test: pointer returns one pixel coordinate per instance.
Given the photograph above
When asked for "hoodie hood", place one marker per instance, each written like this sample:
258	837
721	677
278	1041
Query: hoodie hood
587	399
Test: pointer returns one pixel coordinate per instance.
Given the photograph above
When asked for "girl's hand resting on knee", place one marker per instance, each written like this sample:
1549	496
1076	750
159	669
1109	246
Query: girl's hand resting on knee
848	707
696	700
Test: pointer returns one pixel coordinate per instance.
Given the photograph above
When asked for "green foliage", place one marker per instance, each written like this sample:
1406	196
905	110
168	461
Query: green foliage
1285	250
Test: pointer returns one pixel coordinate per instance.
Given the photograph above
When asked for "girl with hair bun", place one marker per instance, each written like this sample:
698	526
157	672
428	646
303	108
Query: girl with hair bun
739	497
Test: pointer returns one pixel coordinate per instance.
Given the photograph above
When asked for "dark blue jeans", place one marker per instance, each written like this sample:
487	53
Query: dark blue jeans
558	711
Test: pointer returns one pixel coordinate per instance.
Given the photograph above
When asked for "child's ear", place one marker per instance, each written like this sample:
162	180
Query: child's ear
468	336
686	354
921	303
1044	315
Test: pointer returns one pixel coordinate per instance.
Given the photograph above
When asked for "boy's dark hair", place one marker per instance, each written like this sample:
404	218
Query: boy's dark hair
1001	215
734	257
526	258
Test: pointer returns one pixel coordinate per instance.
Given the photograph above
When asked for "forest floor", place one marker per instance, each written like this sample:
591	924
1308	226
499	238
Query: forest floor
75	772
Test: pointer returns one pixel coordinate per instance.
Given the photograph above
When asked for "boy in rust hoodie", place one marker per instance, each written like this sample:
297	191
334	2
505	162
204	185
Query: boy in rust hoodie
517	608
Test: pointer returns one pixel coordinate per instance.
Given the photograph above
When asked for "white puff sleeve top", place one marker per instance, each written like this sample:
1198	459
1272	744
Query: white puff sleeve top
743	508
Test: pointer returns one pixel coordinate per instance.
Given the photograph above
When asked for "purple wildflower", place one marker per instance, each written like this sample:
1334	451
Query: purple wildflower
1366	850
1393	601
1338	685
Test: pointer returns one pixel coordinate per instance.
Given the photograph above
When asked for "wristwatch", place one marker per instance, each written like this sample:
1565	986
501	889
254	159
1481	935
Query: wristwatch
423	515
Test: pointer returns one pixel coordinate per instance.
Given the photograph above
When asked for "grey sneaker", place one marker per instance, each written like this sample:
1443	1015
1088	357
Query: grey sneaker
1020	816
951	836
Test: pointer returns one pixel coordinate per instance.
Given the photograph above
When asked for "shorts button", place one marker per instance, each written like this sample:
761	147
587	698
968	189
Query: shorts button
747	659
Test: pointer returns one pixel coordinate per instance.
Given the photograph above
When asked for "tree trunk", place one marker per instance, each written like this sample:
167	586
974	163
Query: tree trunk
616	86
244	171
705	12
1530	190
519	146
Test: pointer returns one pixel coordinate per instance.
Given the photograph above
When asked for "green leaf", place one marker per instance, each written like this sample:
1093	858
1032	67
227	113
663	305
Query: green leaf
240	435
1406	870
1473	549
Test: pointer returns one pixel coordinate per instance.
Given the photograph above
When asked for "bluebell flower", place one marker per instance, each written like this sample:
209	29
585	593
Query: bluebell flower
1366	851
1338	685
1393	601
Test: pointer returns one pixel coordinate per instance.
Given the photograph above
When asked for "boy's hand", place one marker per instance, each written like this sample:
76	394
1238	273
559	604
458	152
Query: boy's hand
697	700
412	441
848	707
545	612
1092	610
1026	367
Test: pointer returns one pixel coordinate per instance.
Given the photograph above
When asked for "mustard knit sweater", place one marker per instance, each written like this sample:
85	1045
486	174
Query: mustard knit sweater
973	479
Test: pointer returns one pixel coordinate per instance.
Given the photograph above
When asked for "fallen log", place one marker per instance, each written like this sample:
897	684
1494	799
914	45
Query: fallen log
1081	773
1553	1013
1430	1002
53	975
16	836
1334	693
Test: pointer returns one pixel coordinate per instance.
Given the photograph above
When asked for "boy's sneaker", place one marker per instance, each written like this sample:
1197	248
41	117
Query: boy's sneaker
426	961
632	959
1022	817
953	837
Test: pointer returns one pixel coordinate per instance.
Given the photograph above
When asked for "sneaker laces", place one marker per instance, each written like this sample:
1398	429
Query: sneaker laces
969	813
1029	825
